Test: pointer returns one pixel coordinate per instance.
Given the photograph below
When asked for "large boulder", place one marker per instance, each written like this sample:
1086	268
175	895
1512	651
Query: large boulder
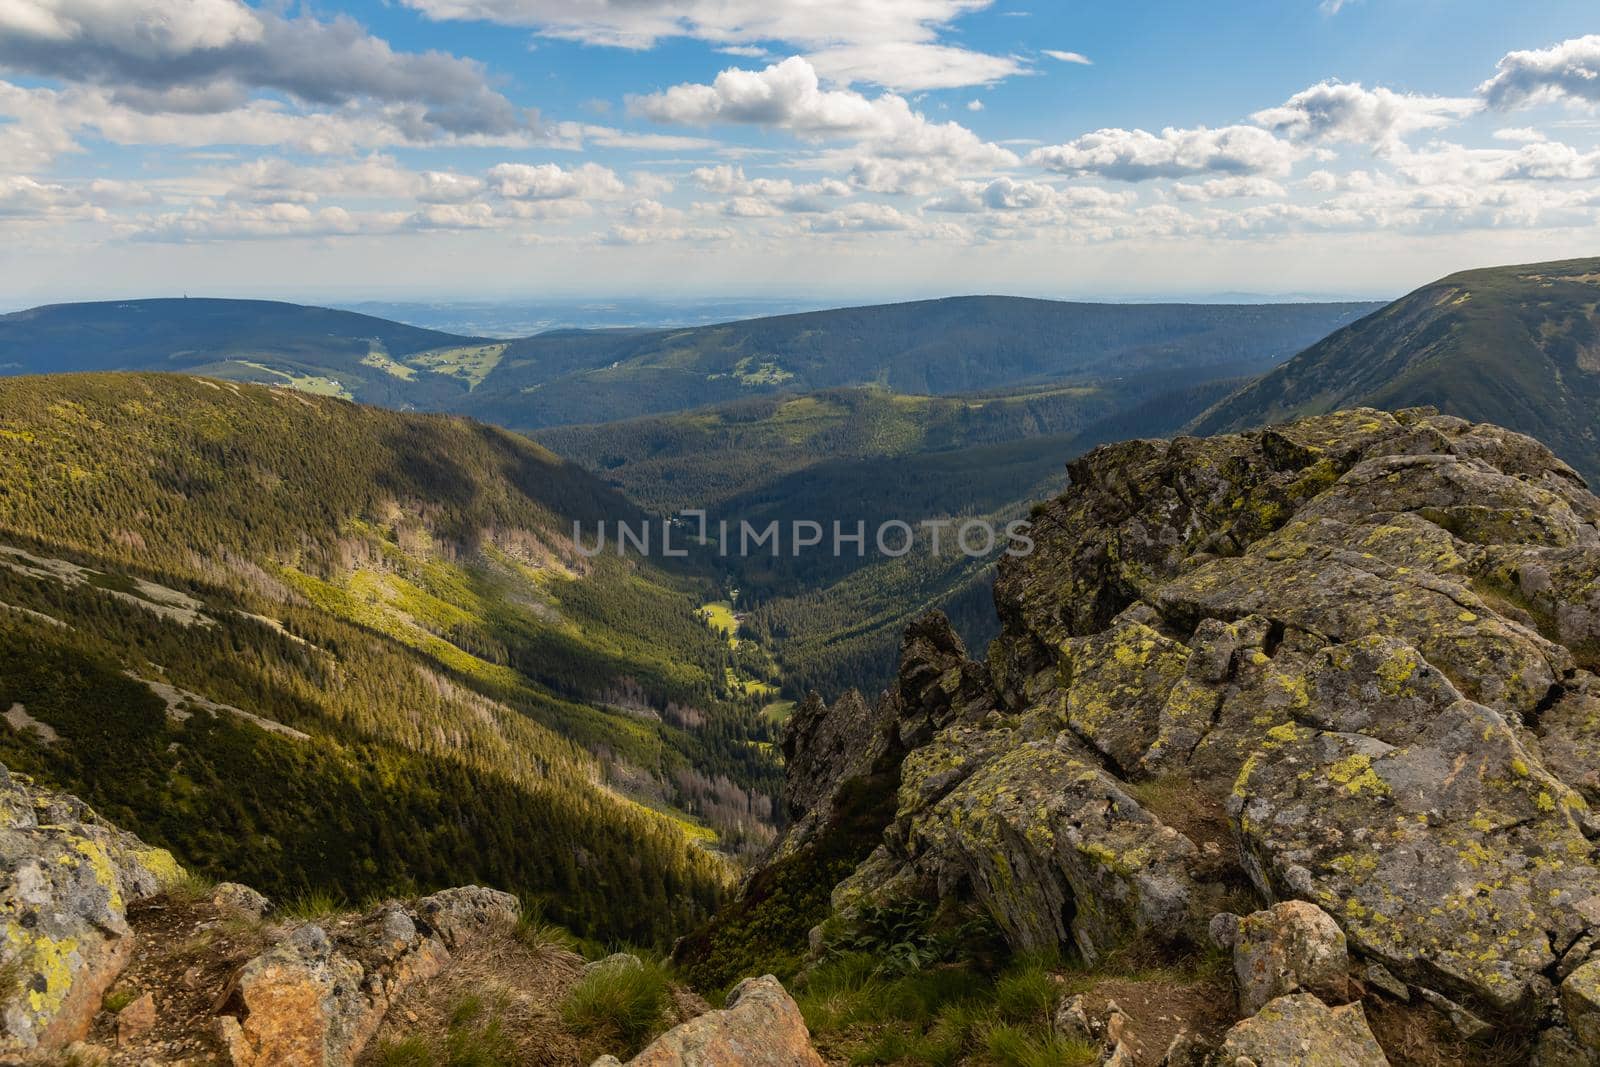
1289	948
316	997
760	1027
1302	1031
66	879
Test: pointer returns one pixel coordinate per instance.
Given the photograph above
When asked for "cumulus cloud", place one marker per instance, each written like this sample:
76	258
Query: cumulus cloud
1229	189
209	56
1443	165
1346	111
1139	155
893	43
895	148
274	180
767	197
1566	71
913	66
549	181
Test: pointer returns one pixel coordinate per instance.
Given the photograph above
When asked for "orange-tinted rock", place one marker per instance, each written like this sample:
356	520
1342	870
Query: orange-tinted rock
761	1027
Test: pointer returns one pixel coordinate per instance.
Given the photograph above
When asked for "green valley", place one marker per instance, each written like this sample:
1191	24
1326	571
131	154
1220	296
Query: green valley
340	649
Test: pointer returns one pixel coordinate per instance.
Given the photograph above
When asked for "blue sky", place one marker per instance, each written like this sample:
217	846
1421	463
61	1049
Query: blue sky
838	149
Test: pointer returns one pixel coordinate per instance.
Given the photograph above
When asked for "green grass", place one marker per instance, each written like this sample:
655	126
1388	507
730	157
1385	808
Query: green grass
118	999
475	1037
312	905
622	1001
719	616
470	363
939	1016
778	711
191	888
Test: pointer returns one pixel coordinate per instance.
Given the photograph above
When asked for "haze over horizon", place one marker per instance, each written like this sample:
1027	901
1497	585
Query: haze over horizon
832	153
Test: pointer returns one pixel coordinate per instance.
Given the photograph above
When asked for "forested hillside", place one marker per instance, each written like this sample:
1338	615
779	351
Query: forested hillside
328	647
1519	346
932	347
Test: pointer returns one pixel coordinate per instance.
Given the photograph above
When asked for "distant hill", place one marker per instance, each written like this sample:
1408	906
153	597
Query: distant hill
1518	346
327	646
338	353
930	347
937	347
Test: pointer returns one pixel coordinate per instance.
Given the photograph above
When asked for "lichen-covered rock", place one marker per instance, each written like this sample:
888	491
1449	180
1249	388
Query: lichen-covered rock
317	996
241	899
1302	1031
761	1026
66	879
1364	644
1042	827
1455	860
460	915
1291	947
1580	1001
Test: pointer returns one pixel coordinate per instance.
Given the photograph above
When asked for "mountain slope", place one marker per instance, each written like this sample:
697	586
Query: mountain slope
932	347
1519	346
316	349
324	646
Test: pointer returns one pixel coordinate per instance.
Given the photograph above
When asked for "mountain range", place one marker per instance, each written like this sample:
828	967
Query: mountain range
571	376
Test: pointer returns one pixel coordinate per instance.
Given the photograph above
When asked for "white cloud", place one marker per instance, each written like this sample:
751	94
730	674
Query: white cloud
1138	155
974	105
894	148
548	181
754	198
1345	111
1229	189
1069	57
913	66
1566	71
1444	165
863	218
893	43
1520	134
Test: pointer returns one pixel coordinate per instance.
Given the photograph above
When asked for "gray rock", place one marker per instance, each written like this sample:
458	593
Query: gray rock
1580	1001
1378	977
1289	948
231	896
460	915
1302	1031
1224	930
66	879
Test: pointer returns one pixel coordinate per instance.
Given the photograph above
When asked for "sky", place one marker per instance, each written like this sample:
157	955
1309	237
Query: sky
847	150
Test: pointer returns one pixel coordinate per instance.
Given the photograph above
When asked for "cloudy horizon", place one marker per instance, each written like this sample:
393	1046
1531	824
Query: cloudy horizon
837	150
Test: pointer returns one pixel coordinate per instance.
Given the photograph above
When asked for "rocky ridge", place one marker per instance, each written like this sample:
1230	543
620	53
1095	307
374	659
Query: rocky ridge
1348	662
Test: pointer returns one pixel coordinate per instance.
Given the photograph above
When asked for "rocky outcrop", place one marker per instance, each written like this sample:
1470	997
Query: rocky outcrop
1302	1031
1367	640
761	1026
316	997
66	880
